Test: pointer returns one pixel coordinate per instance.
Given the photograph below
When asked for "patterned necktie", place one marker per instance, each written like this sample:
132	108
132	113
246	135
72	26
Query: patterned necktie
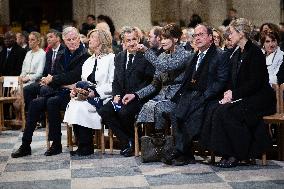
53	61
200	57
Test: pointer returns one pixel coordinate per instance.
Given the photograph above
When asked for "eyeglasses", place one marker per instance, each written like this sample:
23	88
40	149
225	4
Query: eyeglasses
198	35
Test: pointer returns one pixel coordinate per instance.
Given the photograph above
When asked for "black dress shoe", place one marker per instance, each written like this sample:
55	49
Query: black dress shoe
128	150
22	151
54	150
183	160
85	151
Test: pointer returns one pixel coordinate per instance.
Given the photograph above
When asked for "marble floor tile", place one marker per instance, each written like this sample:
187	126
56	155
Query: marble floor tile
42	184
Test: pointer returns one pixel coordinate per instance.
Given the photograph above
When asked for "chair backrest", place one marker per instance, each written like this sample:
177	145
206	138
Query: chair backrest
281	96
8	83
276	89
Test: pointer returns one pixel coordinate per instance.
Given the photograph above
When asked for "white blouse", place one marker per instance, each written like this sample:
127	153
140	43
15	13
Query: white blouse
33	65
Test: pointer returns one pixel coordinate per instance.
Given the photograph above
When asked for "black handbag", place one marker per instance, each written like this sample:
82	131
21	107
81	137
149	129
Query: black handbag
156	148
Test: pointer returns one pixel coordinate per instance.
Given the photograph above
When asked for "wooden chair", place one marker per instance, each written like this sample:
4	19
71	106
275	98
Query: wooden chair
101	134
11	91
277	119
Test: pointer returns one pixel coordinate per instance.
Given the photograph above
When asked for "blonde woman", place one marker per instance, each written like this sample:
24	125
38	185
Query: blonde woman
97	71
34	61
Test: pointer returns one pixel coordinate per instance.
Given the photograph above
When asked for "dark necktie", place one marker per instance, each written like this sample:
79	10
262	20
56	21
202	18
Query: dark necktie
200	57
129	63
53	61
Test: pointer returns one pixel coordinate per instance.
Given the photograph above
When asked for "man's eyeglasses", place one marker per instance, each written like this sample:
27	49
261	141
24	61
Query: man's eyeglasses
198	35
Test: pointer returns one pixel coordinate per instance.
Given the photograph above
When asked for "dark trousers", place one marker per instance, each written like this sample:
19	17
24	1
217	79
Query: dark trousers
84	135
53	105
121	122
30	93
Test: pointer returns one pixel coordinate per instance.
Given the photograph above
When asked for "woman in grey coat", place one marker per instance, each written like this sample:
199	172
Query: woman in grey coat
170	66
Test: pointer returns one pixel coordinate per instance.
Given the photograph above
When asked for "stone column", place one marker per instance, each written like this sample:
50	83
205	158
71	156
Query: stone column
126	12
257	11
82	8
4	12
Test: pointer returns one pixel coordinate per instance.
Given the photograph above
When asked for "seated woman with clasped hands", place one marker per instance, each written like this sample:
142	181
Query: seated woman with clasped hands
96	84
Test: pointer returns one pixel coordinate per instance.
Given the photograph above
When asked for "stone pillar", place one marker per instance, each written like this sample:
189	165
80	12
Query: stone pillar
82	8
257	11
4	12
126	12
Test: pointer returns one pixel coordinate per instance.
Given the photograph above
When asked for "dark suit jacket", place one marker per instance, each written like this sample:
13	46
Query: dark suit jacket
201	87
71	73
48	60
141	74
13	65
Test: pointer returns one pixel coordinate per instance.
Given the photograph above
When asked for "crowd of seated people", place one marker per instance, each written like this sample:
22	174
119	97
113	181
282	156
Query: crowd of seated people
213	85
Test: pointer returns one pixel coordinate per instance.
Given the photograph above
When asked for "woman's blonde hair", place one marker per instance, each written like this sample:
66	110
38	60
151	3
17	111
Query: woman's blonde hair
105	39
37	36
242	25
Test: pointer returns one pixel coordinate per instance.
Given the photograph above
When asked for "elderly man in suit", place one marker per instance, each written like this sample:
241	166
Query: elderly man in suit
132	72
54	93
205	79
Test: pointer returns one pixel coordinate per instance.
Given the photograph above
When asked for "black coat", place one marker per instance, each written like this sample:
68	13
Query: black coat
13	65
237	129
141	74
70	73
200	87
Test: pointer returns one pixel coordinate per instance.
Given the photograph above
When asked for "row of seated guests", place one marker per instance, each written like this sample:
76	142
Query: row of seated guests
53	92
219	98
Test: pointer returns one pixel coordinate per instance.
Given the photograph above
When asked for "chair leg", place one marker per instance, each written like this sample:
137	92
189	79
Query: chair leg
110	141
69	137
263	159
1	117
212	158
102	139
47	131
136	139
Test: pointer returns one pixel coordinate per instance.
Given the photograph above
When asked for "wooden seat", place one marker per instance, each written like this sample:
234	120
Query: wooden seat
11	91
277	119
101	136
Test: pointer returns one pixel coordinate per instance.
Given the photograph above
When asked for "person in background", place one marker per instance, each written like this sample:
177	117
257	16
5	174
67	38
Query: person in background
218	39
11	56
22	40
274	56
232	15
186	39
89	25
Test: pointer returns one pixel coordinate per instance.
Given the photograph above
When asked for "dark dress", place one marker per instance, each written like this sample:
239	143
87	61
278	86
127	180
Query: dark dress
237	129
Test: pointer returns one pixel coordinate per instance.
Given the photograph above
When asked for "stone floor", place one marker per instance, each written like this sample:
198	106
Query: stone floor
113	171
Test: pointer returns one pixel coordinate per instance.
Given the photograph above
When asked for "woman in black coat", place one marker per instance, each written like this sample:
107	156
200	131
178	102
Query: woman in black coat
234	128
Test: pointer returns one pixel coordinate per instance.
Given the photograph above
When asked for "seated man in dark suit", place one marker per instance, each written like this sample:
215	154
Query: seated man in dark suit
204	80
132	72
52	57
54	94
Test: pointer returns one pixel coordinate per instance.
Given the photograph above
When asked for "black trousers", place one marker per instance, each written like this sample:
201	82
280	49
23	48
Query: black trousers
53	105
121	122
84	135
30	93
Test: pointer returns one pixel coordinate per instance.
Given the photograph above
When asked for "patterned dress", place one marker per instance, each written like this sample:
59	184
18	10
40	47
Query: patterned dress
167	79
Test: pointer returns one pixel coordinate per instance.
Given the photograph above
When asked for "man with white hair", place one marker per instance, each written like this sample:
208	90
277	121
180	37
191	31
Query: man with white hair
54	93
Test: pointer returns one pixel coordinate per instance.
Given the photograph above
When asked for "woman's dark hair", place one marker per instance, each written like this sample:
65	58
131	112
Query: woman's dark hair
171	31
109	21
273	35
